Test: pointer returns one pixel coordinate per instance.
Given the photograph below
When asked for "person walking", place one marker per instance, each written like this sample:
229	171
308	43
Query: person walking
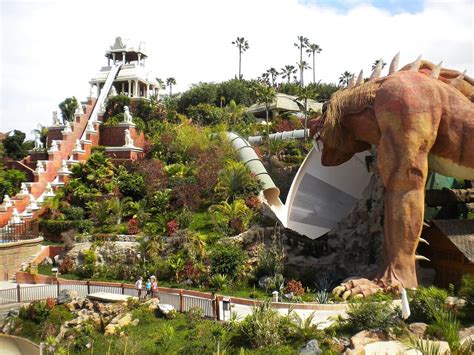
139	286
148	287
154	288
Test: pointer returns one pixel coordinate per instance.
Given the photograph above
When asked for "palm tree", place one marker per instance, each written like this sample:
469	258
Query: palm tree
161	85
345	78
287	71
312	49
242	44
170	82
377	62
305	94
303	65
303	42
265	95
120	207
235	112
265	78
273	73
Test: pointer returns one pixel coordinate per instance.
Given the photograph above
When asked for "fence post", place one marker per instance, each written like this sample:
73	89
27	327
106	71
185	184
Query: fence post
217	308
181	301
88	287
213	303
123	289
18	293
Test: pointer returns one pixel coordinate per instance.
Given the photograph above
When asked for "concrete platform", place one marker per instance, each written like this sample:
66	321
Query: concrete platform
109	297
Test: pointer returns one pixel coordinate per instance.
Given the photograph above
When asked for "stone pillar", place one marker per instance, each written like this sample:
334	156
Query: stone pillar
129	88
113	57
136	88
123	86
123	59
139	58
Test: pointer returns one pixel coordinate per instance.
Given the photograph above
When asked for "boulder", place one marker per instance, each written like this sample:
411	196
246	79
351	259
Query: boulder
110	329
466	334
66	296
166	310
311	348
47	261
418	329
13	313
152	304
125	320
361	339
135	322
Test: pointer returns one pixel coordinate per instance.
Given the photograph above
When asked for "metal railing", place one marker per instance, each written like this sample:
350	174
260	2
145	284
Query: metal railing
19	231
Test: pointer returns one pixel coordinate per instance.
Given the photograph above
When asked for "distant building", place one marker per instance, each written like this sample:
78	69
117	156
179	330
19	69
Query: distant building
133	79
451	249
284	103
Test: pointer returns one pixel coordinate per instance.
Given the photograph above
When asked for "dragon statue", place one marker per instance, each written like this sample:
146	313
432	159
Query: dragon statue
419	117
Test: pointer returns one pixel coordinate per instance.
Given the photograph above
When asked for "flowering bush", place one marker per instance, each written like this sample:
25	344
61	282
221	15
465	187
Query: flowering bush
132	226
171	227
253	202
295	287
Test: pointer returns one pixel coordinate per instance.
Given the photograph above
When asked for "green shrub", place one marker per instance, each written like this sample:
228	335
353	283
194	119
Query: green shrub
467	292
218	282
227	259
262	327
419	299
73	213
367	315
36	312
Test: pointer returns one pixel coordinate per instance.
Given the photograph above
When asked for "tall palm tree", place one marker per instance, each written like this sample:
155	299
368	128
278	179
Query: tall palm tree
273	73
170	82
345	78
303	65
312	49
376	62
302	43
287	71
305	94
242	44
265	95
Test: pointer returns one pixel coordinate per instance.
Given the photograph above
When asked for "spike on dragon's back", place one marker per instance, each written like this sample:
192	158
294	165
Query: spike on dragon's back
459	80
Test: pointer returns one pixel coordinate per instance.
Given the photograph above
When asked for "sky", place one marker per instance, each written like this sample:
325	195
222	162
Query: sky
49	50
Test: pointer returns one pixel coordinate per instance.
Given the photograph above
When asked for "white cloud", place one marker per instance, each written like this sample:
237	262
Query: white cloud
50	50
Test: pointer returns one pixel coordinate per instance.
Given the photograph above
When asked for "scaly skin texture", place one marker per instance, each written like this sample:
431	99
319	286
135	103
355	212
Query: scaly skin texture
413	119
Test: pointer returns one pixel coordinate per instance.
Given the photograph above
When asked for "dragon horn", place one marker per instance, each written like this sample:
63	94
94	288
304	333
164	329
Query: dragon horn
422	240
415	66
436	70
459	79
421	257
394	64
352	82
377	71
360	78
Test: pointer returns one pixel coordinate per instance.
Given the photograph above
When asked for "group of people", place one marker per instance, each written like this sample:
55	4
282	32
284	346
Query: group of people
150	286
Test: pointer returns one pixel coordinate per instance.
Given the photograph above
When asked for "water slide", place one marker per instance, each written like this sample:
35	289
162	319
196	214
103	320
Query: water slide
319	196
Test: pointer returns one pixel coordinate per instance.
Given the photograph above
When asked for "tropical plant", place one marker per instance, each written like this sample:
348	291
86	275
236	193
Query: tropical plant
287	72
303	65
234	112
273	73
305	94
236	181
218	282
322	296
237	214
120	207
271	258
170	82
177	263
303	327
10	181
313	49
423	301
68	107
242	44
345	78
265	95
302	43
262	327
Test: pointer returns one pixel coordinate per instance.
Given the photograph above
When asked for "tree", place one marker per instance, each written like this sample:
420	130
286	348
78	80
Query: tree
235	112
302	43
161	85
287	71
303	65
376	62
305	94
265	95
68	107
312	49
273	73
345	78
14	145
242	44
170	82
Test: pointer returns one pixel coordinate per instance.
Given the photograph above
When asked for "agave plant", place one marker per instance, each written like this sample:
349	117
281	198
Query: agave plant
322	296
218	282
